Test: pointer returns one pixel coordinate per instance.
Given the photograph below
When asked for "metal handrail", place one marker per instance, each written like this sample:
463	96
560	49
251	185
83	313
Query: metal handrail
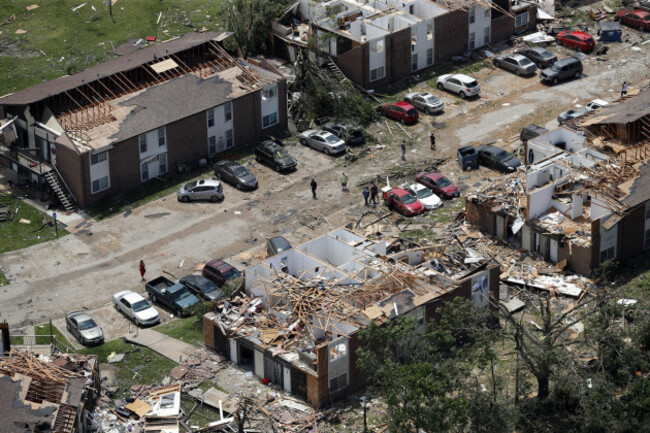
65	184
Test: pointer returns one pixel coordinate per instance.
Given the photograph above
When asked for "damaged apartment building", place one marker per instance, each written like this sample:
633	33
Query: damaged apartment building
48	394
377	42
297	320
574	205
146	112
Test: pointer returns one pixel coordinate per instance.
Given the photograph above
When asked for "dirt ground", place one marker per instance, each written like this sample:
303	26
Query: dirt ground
84	270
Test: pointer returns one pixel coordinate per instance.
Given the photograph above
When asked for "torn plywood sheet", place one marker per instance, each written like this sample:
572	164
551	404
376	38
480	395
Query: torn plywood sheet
213	396
163	66
513	305
139	407
551	284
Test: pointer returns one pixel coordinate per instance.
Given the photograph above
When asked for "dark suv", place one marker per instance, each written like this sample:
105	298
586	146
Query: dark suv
562	70
276	156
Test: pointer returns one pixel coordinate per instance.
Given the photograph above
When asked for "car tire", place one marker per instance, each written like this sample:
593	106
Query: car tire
214	199
554	80
185	199
277	168
540	65
154	299
579	49
402	121
518	72
303	142
497	63
462	95
641	29
427	111
577	74
258	159
440	86
326	151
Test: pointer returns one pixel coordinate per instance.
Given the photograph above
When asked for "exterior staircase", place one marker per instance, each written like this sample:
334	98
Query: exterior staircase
334	70
61	191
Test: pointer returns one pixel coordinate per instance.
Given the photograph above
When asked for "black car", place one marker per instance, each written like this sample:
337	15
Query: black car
353	136
562	70
542	57
202	287
235	174
276	156
497	159
531	131
277	245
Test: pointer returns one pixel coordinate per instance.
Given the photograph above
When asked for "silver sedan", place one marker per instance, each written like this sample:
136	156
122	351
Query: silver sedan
322	140
516	63
425	101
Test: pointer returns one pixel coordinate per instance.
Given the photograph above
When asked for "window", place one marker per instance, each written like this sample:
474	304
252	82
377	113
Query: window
414	62
100	184
377	46
414	37
472	41
521	19
143	142
229	141
472	15
269	120
270	92
212	144
98	157
144	171
162	161
486	36
487	13
210	118
377	74
429	31
161	137
339	382
430	57
227	111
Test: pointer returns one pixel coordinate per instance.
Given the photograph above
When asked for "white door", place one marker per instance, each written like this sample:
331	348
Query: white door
286	379
234	353
552	255
500	230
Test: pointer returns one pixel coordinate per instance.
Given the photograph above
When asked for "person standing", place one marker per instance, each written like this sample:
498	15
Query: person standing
366	194
432	139
624	89
314	186
373	193
403	146
344	182
143	270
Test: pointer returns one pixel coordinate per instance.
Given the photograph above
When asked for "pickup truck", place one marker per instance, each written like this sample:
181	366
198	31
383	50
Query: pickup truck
174	296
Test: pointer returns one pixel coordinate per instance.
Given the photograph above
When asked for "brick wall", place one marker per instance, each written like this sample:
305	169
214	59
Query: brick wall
631	234
501	28
247	118
450	35
480	216
74	169
318	387
187	140
354	64
208	332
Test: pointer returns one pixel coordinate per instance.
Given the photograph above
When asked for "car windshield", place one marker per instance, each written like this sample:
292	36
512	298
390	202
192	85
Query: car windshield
412	112
281	153
555	68
547	54
504	156
443	182
239	171
180	294
331	138
190	185
87	324
208	287
589	40
431	99
141	305
408	199
424	193
525	62
231	273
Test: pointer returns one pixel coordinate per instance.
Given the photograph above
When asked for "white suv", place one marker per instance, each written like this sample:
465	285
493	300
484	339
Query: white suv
461	84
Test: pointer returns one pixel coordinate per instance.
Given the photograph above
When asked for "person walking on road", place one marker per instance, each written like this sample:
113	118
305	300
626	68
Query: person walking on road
432	139
143	270
344	182
366	194
403	146
624	89
373	193
313	185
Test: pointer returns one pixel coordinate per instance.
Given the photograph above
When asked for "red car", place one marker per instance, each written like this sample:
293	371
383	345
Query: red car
439	184
402	111
638	18
219	272
402	201
576	39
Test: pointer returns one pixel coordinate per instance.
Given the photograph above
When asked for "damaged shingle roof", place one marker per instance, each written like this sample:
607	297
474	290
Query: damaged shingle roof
623	112
640	190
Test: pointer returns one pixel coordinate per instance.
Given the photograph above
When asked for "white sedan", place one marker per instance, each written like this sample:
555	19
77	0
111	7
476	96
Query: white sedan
136	308
322	140
427	197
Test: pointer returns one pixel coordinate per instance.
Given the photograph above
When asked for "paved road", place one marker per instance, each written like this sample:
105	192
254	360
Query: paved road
83	271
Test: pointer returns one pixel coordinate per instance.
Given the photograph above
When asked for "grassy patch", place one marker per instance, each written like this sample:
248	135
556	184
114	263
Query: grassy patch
139	366
447	214
187	329
202	415
3	279
43	336
16	235
416	235
18	341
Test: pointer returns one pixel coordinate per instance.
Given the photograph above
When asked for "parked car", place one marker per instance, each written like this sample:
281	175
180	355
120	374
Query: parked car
83	328
402	201
530	132
439	184
201	287
595	104
497	159
467	158
562	70
570	114
175	296
202	189
276	156
637	18
277	245
425	101
542	57
580	41
136	308
516	63
324	141
353	135
461	84
219	272
426	196
235	174
401	111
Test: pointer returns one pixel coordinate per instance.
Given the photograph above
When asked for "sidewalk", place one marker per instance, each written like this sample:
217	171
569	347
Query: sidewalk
162	344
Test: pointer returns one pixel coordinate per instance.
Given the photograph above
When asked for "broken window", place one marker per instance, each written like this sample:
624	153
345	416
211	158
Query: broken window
429	31
338	351
521	19
377	46
481	290
210	118
269	92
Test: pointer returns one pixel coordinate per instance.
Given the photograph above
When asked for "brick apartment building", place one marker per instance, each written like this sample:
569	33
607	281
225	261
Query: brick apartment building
114	126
